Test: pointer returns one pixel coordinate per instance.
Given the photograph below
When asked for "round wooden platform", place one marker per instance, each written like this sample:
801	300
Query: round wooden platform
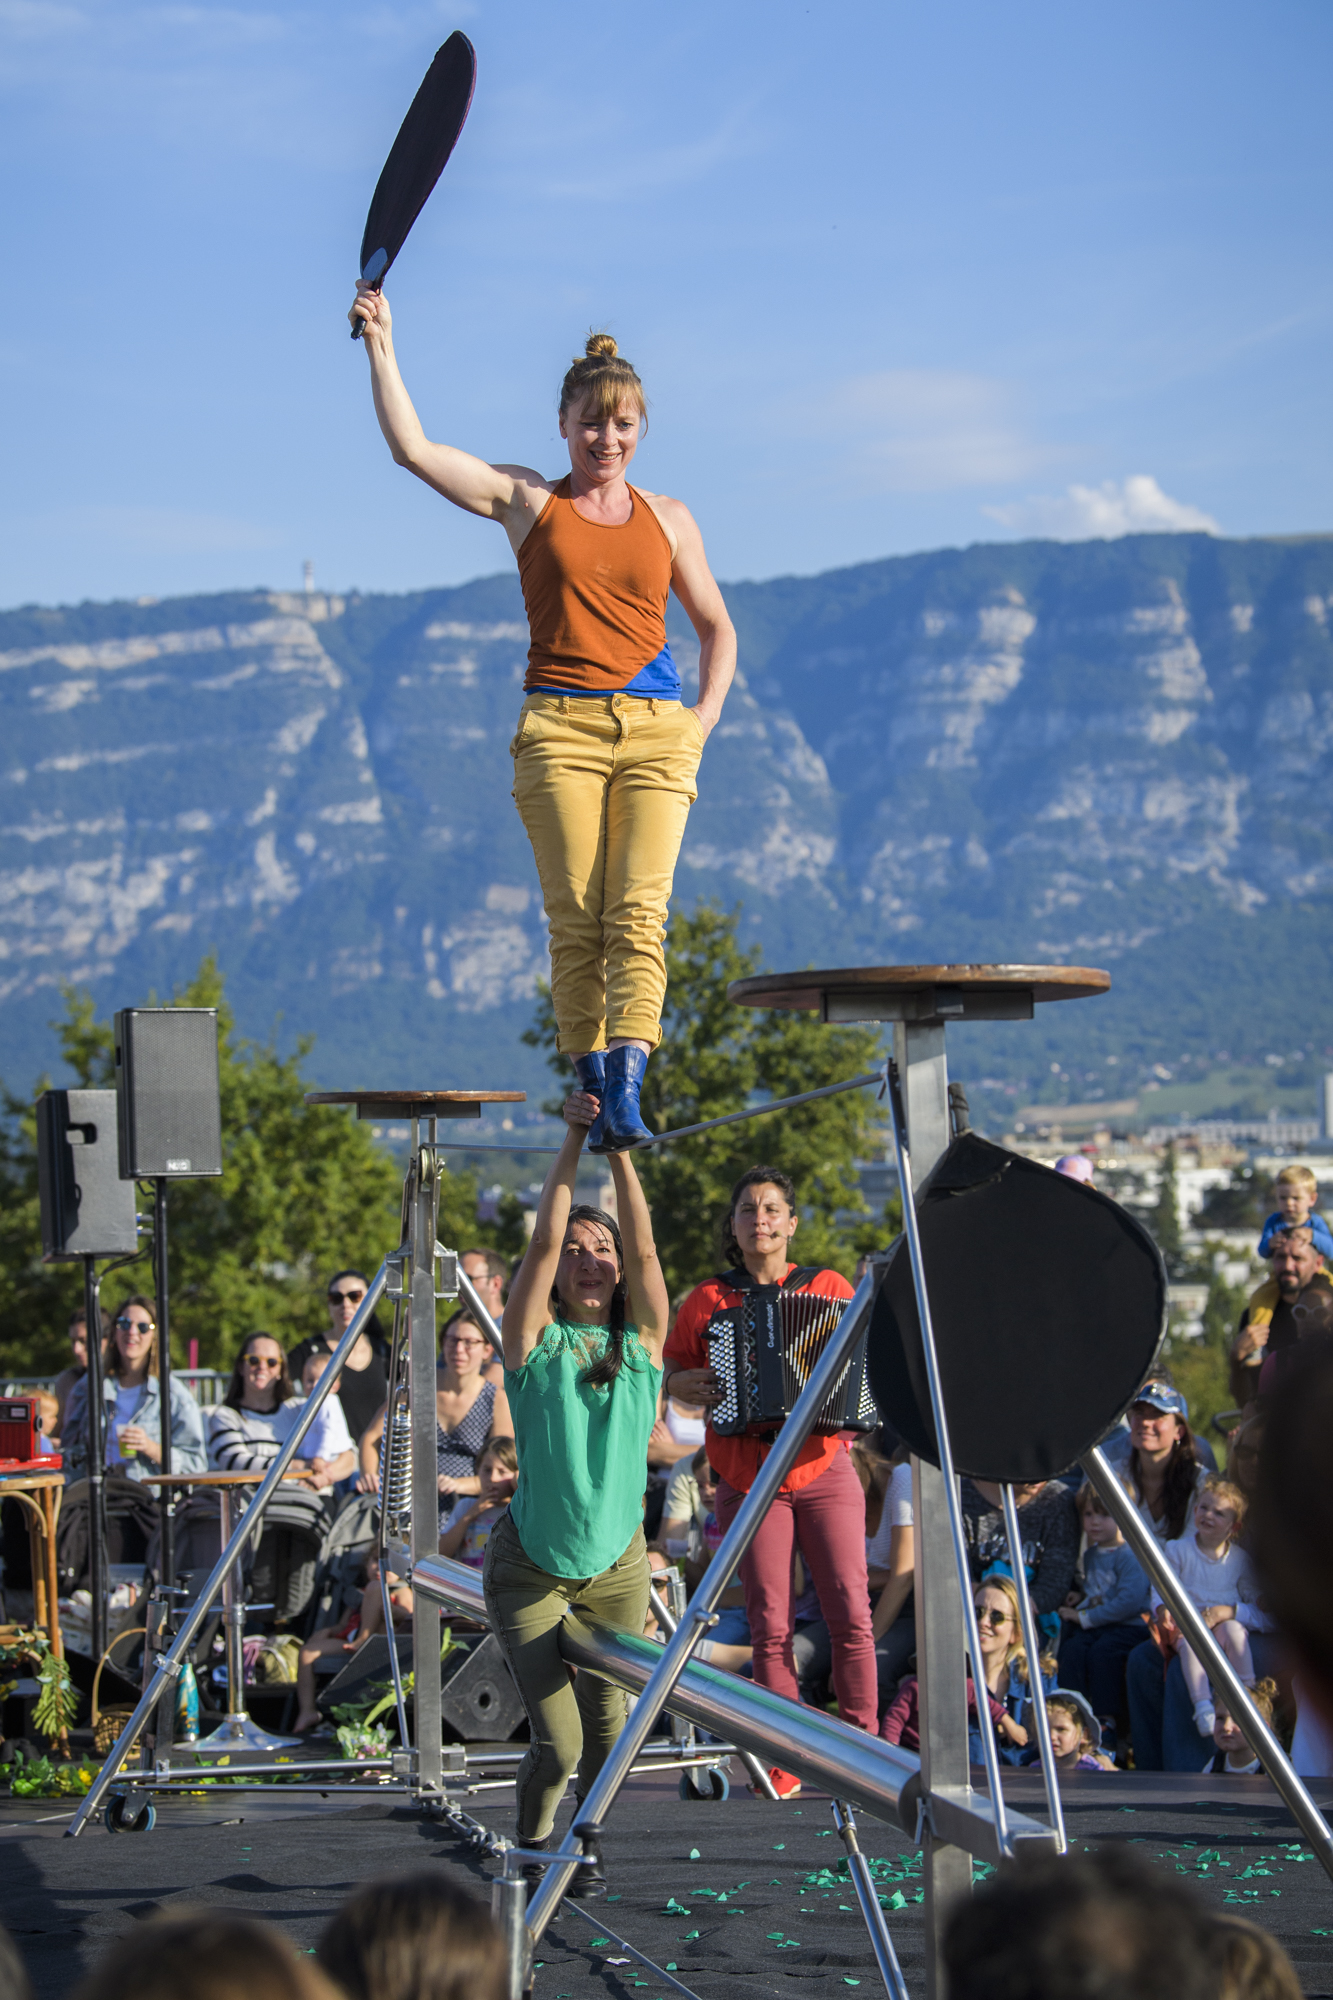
920	992
401	1104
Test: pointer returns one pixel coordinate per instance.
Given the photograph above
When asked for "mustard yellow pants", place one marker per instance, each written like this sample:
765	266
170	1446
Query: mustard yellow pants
604	785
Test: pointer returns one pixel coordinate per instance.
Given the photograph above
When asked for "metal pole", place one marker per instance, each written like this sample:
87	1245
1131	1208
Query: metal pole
886	1958
404	1736
1032	1646
167	1496
425	1535
759	1777
657	1694
962	1568
509	1904
171	1662
472	1300
92	1312
1220	1670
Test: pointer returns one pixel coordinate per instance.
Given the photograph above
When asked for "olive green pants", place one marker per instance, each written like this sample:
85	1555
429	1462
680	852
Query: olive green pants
573	1724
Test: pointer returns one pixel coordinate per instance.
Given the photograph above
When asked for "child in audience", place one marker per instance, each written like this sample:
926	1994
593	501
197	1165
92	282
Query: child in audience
414	1937
327	1447
351	1631
1075	1734
1104	1622
1296	1192
1216	1575
472	1521
1232	1753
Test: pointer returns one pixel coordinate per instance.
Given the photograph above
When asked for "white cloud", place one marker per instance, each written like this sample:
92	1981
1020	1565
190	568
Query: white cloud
920	430
1133	506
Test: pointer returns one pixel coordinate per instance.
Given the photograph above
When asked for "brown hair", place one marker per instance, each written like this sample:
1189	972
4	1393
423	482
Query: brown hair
753	1177
1066	1705
414	1937
502	1449
1230	1495
1249	1964
601	379
1088	1496
236	1386
1263	1694
1182	1472
203	1956
874	1472
114	1358
1016	1658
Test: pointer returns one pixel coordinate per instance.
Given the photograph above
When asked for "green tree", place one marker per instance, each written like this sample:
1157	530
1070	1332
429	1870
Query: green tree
716	1057
1200	1367
304	1189
1164	1220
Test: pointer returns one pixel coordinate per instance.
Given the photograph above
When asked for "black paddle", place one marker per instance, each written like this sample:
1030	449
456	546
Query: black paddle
417	158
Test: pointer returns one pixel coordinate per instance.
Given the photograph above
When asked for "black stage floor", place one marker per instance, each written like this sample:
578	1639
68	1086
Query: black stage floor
742	1895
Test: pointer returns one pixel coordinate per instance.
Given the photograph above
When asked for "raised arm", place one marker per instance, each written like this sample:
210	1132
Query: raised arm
528	1308
649	1308
514	495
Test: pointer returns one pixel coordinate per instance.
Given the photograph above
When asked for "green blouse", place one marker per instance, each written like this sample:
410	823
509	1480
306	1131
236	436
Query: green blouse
582	1452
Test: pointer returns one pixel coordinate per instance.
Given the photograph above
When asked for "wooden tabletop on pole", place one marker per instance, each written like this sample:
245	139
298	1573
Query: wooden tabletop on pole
906	991
400	1104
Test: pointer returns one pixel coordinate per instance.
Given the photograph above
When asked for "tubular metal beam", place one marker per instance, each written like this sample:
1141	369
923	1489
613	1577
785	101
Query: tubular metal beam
886	1958
169	1666
1032	1647
1220	1670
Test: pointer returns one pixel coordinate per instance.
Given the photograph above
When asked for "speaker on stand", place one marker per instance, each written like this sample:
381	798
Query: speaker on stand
170	1129
87	1212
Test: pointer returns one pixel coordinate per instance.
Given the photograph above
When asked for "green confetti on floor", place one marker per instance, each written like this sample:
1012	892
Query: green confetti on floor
897	1901
776	1934
695	1854
671	1966
675	1909
690	1934
778	1845
596	1941
849	1982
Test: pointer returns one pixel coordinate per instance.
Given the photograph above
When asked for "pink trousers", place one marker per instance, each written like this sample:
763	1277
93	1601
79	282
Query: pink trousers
827	1521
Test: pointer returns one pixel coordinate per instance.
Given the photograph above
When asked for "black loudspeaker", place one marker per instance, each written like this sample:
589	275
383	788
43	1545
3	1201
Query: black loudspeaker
478	1702
167	1083
87	1210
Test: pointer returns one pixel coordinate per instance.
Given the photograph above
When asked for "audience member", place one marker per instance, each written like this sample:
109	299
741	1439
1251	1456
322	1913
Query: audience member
820	1503
78	1367
203	1955
691	1534
1098	1926
1005	1667
327	1445
243	1428
679	1429
48	1416
1103	1617
1231	1751
363	1385
1249	1963
1296	1192
1216	1577
471	1521
414	1937
1048	1526
362	1622
1162	1472
488	1272
1291	1533
132	1406
1076	1167
1271	1322
1075	1734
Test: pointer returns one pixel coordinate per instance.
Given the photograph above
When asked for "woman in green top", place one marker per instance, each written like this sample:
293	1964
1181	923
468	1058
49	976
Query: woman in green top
583	1331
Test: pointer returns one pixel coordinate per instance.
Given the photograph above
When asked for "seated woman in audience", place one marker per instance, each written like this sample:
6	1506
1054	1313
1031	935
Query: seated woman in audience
1048	1528
1162	1472
351	1631
132	1406
469	1409
1215	1575
819	1505
1103	1618
1231	1751
247	1428
471	1521
362	1384
1006	1674
414	1937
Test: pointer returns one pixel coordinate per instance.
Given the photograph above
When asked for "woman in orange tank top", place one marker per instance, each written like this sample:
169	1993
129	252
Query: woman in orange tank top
606	754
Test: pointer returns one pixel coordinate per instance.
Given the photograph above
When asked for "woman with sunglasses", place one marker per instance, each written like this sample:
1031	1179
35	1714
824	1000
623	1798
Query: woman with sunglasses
132	1406
362	1382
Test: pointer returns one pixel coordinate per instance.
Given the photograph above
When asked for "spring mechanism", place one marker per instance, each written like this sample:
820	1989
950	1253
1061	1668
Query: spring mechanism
396	1470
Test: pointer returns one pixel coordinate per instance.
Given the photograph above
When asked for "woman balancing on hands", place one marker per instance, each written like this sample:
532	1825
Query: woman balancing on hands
582	1331
605	754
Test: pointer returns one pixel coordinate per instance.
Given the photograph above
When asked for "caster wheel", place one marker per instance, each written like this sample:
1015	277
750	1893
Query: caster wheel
705	1784
116	1820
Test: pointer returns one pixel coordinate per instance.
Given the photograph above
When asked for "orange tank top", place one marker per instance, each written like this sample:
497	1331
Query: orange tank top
596	597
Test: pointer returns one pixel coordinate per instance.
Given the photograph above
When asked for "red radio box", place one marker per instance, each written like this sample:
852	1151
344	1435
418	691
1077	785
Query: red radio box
20	1435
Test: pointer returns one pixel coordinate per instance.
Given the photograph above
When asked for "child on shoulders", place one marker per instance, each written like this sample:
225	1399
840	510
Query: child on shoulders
473	1519
1216	1576
1296	1192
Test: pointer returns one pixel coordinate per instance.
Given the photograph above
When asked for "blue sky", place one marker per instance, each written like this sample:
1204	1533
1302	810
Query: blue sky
895	276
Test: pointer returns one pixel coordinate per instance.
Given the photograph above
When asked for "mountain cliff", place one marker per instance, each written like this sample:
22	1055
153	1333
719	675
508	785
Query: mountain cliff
1107	753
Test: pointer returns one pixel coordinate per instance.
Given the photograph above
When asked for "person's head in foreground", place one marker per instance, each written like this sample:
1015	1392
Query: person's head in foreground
1099	1926
1249	1964
414	1937
13	1979
200	1955
1291	1524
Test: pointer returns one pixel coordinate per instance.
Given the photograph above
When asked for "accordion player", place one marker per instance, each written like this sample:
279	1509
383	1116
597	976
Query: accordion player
764	1349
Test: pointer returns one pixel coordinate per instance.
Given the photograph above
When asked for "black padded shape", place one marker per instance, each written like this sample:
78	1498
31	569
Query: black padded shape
1049	1305
418	155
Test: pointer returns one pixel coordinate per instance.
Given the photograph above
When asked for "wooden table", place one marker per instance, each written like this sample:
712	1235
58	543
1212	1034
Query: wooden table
236	1732
39	1494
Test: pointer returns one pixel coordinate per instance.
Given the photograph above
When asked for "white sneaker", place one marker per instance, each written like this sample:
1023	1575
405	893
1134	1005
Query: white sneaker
1205	1715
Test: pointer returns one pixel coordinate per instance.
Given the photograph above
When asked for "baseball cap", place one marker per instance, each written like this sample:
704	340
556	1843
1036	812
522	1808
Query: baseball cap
1075	1166
1163	1397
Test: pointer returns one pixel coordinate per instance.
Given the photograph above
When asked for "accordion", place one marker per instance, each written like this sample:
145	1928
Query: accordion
764	1349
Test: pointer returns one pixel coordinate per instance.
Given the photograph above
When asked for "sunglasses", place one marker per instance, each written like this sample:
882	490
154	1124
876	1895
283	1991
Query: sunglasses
261	1361
993	1618
346	1298
135	1326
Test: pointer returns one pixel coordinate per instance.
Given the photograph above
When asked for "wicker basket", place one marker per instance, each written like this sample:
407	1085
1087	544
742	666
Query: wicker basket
108	1722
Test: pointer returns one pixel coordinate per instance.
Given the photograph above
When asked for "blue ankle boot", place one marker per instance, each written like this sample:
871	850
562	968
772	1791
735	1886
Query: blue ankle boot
592	1075
621	1122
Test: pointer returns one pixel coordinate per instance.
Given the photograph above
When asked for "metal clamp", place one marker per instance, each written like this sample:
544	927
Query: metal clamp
395	1276
446	1272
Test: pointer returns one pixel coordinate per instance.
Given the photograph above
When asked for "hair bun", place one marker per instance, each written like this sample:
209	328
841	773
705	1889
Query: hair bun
600	347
